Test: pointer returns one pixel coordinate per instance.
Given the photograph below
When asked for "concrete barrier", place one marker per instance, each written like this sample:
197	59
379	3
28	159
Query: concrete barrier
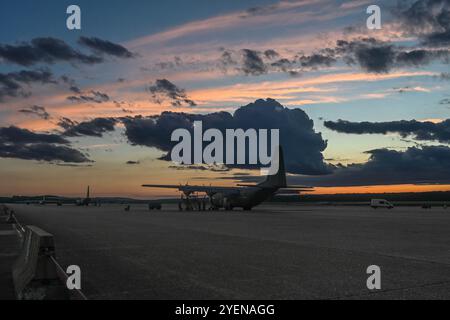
34	273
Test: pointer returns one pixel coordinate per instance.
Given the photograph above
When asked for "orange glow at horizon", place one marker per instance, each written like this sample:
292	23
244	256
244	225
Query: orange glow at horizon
402	188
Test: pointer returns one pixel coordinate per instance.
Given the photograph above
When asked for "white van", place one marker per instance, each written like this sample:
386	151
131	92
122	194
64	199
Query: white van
380	203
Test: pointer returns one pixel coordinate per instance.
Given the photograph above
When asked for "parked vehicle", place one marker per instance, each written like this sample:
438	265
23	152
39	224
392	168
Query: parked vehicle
154	205
381	203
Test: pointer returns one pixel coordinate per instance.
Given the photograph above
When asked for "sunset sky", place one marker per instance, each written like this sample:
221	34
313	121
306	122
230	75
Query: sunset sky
83	107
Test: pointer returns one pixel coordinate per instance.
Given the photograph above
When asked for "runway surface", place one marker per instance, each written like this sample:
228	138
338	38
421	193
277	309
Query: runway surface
273	252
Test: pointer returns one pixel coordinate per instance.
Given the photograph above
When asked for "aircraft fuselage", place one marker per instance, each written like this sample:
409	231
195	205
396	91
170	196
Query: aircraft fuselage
245	198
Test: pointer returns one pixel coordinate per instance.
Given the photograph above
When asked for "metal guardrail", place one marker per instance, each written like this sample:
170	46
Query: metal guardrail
17	226
37	262
12	219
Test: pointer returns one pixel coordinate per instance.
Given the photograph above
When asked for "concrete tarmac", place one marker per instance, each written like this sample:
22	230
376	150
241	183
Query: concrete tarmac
272	252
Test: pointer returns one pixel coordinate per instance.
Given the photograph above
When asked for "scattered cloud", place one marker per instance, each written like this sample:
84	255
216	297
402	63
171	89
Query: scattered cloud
419	130
12	84
253	64
38	111
94	128
316	60
18	135
24	144
106	47
427	19
256	63
92	96
71	83
44	50
271	54
163	90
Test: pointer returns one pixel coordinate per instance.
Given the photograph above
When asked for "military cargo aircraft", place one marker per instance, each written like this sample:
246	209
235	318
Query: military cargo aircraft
245	196
86	201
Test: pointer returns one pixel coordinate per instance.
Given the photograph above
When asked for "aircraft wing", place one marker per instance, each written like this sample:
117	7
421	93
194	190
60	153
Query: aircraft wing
298	187
290	188
188	188
292	191
226	190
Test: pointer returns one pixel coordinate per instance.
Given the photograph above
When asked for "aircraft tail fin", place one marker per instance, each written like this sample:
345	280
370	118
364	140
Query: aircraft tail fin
277	180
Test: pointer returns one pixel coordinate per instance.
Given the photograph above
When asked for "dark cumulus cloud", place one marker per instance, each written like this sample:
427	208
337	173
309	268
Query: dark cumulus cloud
428	164
256	63
106	47
66	123
420	57
415	57
253	63
92	96
38	111
155	131
271	54
284	65
13	84
22	136
24	144
316	60
370	54
163	90
94	128
44	50
375	56
425	18
438	38
427	131
42	152
227	59
302	145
